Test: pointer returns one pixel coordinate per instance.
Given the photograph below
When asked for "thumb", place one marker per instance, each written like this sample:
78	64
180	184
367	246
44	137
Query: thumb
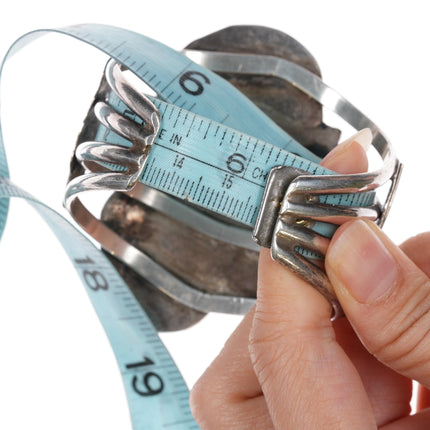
385	296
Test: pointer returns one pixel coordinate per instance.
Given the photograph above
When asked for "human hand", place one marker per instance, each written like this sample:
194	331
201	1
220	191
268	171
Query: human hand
287	366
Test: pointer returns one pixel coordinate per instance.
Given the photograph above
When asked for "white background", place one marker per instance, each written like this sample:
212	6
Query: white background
56	367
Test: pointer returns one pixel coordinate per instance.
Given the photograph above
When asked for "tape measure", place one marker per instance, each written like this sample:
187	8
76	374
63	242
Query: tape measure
214	149
215	166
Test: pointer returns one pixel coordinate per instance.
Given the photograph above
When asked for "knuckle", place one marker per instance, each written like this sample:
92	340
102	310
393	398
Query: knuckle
210	402
283	345
266	360
267	343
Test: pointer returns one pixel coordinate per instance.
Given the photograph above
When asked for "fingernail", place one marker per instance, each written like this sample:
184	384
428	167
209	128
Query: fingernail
363	137
361	263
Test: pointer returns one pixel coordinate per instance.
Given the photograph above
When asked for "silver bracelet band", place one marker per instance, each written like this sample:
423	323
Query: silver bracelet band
296	195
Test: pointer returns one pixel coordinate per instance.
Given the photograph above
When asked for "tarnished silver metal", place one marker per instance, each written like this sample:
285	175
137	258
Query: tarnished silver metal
289	236
300	209
277	183
199	221
312	85
291	203
292	199
96	157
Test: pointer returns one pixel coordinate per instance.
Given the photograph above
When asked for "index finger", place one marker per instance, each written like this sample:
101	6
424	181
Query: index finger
293	346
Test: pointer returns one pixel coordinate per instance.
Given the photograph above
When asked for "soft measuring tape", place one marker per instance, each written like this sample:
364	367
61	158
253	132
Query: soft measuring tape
212	165
213	150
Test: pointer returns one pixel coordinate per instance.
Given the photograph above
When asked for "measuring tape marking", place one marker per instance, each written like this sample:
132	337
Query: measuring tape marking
141	356
193	148
147	57
135	342
148	371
